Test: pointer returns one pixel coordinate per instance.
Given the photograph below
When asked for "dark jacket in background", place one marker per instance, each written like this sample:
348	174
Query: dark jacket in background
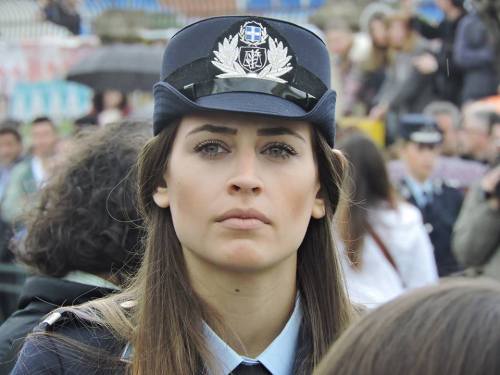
448	78
40	295
474	53
439	217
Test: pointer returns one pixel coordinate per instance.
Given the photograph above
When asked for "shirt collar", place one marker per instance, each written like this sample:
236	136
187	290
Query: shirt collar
419	189
278	357
89	279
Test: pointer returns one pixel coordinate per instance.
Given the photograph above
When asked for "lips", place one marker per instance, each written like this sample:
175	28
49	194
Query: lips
243	219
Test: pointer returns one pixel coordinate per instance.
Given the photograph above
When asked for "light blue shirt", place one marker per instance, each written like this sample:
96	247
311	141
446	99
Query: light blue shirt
422	192
278	358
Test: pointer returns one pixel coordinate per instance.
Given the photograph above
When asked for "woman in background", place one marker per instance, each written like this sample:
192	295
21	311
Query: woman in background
84	235
387	248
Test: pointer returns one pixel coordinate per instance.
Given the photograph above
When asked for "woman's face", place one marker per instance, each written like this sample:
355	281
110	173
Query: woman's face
378	32
241	189
397	33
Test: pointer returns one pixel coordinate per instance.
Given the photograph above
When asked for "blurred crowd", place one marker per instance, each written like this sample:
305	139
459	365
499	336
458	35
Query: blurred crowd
424	206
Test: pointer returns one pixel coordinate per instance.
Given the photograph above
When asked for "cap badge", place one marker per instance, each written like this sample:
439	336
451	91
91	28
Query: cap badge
244	55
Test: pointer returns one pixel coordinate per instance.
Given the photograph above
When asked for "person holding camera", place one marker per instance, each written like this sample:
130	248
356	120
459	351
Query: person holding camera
476	238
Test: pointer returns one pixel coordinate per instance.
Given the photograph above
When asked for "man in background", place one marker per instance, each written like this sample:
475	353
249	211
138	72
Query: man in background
11	148
476	141
30	174
438	202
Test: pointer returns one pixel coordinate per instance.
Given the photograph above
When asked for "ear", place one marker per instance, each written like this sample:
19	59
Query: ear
318	209
160	196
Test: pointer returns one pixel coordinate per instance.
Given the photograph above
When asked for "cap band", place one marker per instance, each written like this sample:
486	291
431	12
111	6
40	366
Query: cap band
194	91
191	80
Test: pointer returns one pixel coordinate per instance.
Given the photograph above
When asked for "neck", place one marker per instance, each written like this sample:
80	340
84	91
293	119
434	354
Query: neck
253	306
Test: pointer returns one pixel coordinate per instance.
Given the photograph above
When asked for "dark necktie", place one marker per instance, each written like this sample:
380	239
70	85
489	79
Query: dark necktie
249	369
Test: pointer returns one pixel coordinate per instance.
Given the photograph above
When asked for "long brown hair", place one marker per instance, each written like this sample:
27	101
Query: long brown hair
453	328
165	325
369	185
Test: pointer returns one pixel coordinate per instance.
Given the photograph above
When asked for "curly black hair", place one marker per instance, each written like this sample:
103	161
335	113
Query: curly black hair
86	217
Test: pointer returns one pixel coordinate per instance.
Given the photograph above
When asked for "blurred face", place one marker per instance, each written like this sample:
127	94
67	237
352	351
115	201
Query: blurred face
398	33
339	41
420	159
10	148
43	139
112	99
474	139
378	32
450	136
444	5
241	190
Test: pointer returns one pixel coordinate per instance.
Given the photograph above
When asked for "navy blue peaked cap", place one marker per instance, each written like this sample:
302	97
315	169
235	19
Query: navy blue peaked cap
419	128
246	64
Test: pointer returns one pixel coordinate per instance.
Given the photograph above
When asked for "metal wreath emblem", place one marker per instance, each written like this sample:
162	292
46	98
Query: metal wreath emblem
249	60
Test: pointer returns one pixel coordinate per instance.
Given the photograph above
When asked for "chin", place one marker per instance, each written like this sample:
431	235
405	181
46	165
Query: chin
243	258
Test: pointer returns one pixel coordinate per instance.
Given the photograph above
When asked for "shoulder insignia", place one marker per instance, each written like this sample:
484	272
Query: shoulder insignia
127	353
50	321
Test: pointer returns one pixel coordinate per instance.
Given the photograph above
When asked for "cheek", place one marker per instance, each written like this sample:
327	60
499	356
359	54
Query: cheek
297	194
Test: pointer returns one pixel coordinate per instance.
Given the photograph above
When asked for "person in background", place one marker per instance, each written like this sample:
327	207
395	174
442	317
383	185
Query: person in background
107	106
348	49
476	238
450	166
438	202
476	142
448	119
387	247
84	238
28	176
476	235
448	77
452	328
63	13
11	149
405	88
374	66
474	54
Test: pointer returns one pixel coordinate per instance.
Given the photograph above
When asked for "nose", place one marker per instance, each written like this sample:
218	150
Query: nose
244	178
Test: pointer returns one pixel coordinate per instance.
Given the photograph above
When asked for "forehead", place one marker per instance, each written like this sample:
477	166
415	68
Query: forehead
244	122
42	126
8	137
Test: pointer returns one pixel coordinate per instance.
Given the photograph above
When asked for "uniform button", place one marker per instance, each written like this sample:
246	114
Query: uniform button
428	227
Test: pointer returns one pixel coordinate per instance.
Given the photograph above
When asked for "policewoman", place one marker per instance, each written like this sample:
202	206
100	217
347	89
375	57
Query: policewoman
237	188
438	201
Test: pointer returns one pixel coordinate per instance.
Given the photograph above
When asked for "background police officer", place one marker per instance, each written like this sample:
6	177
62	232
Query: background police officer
438	201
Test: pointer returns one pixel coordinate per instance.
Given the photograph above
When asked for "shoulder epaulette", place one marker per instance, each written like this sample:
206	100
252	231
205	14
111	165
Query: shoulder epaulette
50	321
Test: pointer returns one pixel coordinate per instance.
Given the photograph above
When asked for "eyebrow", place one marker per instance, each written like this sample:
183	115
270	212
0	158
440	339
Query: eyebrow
279	131
213	129
261	132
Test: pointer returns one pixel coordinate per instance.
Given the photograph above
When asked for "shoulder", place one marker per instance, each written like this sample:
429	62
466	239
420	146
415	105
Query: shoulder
405	214
65	344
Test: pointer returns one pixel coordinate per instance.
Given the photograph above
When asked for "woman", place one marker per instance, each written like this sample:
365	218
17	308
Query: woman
388	250
453	328
406	88
237	189
84	235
